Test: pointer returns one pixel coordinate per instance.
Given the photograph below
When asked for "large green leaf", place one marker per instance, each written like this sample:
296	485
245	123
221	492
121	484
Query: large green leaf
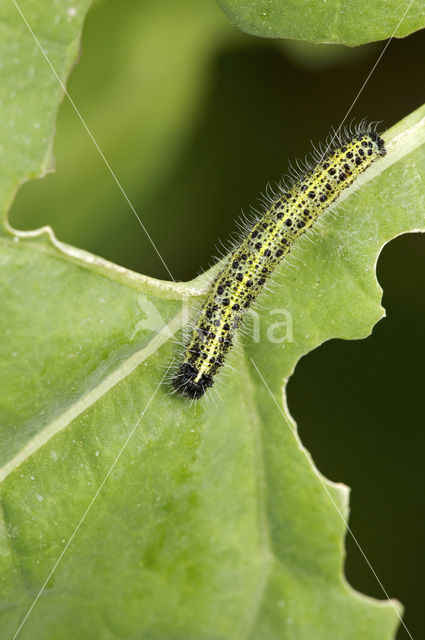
214	522
350	22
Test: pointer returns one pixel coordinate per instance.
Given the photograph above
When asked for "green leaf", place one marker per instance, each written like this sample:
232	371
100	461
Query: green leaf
351	22
212	521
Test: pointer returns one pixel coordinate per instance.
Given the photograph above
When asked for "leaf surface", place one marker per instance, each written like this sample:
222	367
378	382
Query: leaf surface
350	22
213	522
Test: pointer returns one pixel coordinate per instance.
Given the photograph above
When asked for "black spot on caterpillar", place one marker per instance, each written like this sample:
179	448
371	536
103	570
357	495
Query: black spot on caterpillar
262	249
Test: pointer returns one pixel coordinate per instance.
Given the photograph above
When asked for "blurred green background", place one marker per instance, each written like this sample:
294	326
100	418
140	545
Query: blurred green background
194	119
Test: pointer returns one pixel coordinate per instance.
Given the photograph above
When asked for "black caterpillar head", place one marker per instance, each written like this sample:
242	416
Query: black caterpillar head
184	381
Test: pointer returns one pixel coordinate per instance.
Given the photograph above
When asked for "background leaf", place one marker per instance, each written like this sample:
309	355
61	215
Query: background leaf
186	536
351	22
29	90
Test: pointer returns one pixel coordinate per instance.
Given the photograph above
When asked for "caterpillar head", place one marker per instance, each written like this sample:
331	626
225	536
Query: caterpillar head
189	383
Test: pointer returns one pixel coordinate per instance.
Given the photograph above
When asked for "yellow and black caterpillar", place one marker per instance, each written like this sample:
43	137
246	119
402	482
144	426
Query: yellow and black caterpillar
262	249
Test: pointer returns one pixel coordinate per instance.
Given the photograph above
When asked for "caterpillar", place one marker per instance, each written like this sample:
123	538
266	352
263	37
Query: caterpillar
263	247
